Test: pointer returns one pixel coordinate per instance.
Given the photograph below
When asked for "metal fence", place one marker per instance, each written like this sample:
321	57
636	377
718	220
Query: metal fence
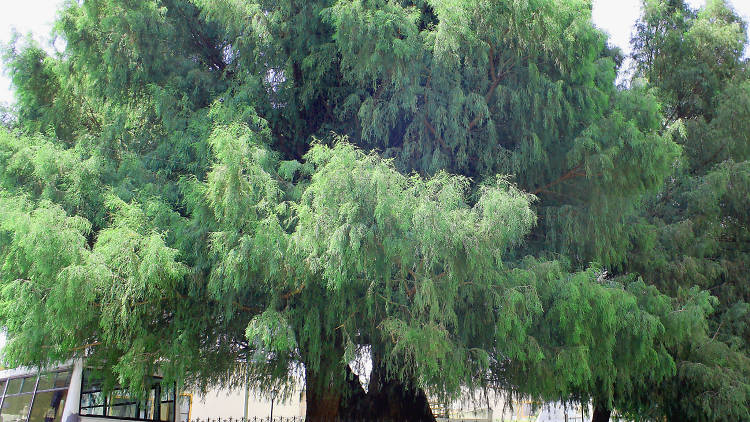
571	418
303	419
286	419
252	419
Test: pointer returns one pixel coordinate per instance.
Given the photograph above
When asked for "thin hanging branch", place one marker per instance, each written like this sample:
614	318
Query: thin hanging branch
496	78
294	292
571	174
434	133
86	346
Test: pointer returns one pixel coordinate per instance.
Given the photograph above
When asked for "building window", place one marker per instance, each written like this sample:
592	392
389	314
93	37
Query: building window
158	404
185	404
34	398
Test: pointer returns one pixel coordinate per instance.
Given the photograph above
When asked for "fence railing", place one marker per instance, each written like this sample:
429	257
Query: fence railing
571	418
286	419
303	419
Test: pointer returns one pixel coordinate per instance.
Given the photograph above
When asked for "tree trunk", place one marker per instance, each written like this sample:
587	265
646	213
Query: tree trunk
329	400
355	404
601	413
398	402
322	399
385	400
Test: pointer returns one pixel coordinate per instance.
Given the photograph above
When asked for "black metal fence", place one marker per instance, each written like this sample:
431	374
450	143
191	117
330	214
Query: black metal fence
255	419
286	419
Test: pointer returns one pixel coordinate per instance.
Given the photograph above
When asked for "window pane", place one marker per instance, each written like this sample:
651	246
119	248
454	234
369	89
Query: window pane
16	408
120	397
28	384
62	380
14	386
167	394
185	405
122	411
48	407
91	381
92	399
46	381
54	380
93	411
147	409
91	388
167	411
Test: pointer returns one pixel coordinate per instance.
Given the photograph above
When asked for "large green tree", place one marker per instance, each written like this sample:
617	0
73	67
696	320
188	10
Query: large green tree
694	231
186	180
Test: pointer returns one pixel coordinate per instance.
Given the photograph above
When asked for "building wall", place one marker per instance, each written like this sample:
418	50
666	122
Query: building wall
230	403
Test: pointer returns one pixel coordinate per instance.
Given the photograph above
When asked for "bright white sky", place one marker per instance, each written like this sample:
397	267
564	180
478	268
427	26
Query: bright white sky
616	17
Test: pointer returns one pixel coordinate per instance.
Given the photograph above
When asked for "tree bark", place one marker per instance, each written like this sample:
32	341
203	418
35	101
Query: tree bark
601	413
329	400
398	402
323	399
385	400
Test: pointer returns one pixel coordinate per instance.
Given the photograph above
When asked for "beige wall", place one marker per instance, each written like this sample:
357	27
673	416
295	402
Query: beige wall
229	403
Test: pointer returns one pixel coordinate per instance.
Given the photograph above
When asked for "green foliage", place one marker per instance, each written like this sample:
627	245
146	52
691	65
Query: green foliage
228	190
418	256
599	339
47	102
692	233
46	170
690	55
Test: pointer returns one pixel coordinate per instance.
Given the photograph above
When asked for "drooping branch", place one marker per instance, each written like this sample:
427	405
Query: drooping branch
434	133
246	308
571	174
492	62
86	346
294	292
427	123
496	78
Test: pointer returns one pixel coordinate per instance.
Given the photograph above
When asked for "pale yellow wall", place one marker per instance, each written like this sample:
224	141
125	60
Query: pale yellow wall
229	403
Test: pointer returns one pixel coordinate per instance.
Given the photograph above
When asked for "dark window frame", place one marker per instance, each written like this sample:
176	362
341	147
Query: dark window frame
157	402
33	392
2	398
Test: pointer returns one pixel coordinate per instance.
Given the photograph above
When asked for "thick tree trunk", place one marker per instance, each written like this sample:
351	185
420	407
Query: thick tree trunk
397	402
323	399
329	400
355	404
385	401
601	413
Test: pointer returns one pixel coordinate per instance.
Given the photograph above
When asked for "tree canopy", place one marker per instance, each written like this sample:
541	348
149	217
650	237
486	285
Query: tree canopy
456	191
696	223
